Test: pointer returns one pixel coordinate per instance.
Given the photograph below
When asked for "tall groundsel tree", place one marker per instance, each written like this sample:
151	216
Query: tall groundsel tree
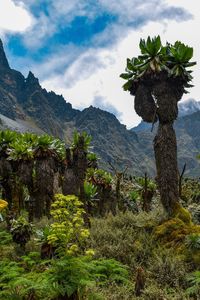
158	78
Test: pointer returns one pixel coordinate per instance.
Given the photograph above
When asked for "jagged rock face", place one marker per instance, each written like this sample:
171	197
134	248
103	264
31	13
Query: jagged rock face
8	103
3	59
24	98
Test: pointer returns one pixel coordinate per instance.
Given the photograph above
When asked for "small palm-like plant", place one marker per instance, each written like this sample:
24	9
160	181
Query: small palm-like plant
92	160
6	137
134	196
90	192
158	78
103	181
82	140
194	280
99	177
20	150
49	146
144	192
193	241
21	231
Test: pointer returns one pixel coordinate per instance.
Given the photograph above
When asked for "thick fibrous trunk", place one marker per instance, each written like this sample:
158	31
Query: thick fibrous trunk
80	164
70	183
159	96
45	169
144	104
167	93
166	163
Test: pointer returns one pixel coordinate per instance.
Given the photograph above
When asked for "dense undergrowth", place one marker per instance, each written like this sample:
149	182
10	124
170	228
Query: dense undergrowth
103	262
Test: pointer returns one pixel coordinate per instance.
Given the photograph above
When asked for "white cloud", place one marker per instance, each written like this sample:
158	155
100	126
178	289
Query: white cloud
69	9
43	29
137	11
61	13
14	17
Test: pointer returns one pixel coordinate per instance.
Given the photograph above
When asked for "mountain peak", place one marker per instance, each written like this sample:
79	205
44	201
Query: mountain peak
3	60
188	107
32	80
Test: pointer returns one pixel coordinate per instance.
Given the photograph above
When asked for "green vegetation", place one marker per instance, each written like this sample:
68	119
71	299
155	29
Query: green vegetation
21	231
25	146
82	139
67	233
70	272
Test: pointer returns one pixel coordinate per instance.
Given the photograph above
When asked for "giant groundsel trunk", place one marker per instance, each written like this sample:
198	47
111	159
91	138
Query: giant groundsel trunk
167	96
166	164
157	100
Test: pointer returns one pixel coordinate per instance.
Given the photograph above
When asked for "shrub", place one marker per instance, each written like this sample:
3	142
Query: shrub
108	271
67	233
192	241
167	268
74	275
126	237
21	231
194	280
5	237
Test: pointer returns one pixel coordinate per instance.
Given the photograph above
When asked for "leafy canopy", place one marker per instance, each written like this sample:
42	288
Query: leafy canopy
155	58
27	146
81	141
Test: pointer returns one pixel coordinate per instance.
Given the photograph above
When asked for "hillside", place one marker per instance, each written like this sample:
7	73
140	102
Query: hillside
25	105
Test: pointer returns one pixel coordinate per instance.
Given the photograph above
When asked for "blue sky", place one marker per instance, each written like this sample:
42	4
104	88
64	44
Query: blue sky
78	48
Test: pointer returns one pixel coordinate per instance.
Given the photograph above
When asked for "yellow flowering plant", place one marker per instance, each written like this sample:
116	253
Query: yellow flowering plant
3	204
67	233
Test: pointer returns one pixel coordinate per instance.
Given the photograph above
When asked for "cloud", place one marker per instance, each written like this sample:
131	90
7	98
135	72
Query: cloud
52	17
14	17
44	28
143	11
